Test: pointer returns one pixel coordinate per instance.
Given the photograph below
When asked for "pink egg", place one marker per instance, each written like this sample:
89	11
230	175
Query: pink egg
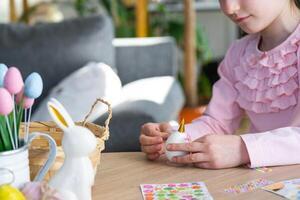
13	81
6	102
20	96
27	102
40	190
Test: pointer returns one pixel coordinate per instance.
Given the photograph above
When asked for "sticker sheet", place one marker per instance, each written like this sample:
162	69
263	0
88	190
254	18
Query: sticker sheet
176	191
289	189
248	186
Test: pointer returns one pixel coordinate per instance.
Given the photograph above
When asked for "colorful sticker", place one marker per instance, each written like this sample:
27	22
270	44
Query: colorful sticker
249	186
175	191
263	169
289	189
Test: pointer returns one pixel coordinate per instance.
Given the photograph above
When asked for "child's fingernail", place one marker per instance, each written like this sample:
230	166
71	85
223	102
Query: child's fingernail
169	147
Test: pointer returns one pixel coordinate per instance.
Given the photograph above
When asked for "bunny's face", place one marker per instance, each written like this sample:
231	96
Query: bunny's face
78	141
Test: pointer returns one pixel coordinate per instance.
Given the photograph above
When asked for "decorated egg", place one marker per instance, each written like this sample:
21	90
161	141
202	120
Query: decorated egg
6	102
40	190
33	86
3	70
8	192
176	137
13	81
27	102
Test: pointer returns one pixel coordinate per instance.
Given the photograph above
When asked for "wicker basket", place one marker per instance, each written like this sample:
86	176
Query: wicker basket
39	148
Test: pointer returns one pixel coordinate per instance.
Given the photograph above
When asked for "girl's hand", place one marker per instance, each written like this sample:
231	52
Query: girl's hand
213	152
152	139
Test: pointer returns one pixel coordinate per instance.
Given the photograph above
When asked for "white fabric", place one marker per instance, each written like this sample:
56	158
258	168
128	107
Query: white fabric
154	96
78	91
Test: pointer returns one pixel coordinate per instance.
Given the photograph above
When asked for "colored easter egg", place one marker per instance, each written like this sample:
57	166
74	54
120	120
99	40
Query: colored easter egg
40	190
13	81
33	85
6	102
8	192
175	138
27	102
3	70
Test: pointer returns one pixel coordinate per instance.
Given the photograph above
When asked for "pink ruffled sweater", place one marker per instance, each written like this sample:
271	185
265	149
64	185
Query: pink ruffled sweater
265	86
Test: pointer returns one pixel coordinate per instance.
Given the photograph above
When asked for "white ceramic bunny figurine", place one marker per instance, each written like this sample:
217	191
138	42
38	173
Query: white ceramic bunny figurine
76	174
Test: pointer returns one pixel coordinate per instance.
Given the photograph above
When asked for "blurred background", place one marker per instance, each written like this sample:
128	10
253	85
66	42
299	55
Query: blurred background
214	32
180	41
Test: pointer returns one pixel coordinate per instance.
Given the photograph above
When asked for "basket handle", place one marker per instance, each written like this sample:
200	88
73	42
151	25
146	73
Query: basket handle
109	110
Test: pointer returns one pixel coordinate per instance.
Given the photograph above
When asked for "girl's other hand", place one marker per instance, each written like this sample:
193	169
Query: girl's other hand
152	139
213	152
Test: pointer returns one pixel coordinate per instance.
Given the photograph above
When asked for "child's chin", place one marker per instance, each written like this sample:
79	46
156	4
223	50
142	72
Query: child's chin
250	30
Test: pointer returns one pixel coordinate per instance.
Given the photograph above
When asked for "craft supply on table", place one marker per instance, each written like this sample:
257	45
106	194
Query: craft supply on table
176	191
263	169
289	189
248	186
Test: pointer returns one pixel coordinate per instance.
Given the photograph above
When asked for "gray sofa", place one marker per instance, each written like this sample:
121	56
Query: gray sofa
147	68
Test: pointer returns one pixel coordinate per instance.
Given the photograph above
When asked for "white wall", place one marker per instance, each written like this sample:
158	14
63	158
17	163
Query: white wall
221	32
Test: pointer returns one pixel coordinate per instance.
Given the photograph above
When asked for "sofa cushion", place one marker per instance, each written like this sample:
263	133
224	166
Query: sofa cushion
78	92
156	99
160	97
154	56
55	50
124	129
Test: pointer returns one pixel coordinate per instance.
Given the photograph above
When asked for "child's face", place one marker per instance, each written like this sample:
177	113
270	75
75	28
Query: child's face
254	16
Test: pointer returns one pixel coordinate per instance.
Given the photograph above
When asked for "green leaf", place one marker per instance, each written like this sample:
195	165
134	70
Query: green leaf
5	134
204	53
19	119
80	6
204	86
1	145
11	124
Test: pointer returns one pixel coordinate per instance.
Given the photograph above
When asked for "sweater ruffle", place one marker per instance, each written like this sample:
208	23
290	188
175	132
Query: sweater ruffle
268	81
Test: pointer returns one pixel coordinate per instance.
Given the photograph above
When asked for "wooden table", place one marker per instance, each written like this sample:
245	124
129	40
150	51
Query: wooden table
120	175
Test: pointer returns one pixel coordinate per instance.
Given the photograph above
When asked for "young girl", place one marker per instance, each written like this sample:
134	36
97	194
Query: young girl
259	77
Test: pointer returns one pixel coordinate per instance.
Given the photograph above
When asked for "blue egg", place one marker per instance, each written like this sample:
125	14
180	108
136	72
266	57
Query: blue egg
3	70
33	86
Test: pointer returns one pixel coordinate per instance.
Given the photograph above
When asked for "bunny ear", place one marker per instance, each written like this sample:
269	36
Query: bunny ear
59	114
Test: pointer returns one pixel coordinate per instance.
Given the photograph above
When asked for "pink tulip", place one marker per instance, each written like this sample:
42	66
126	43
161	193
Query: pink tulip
6	102
13	81
27	102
